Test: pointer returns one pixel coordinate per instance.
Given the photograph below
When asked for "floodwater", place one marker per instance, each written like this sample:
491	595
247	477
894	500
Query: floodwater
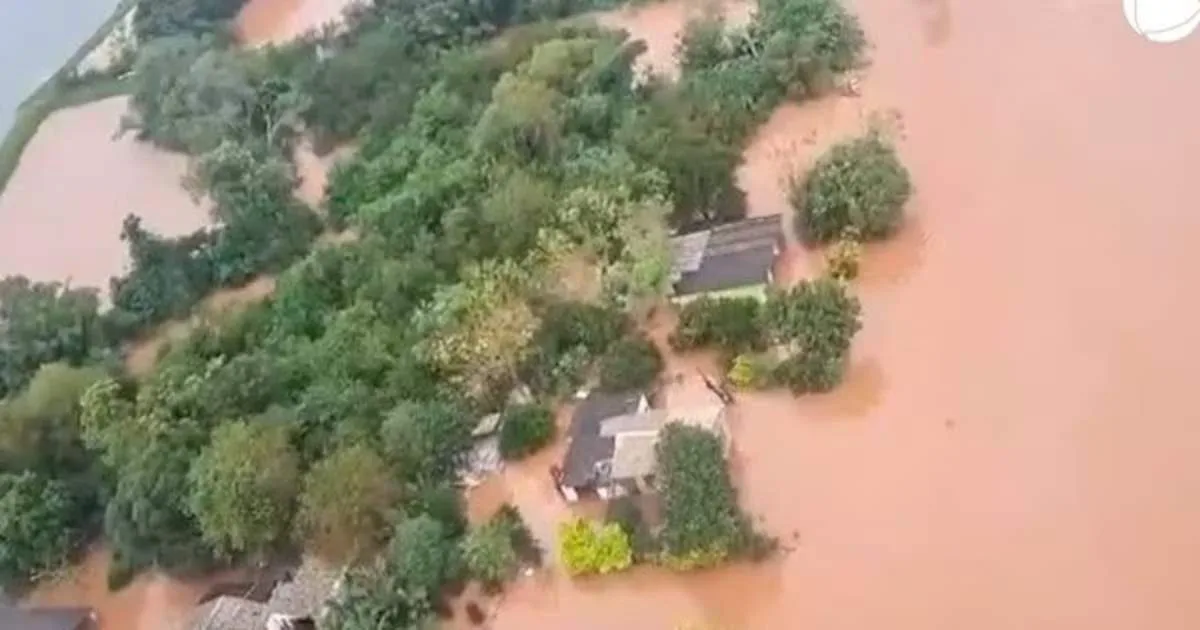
61	214
1014	446
151	602
278	21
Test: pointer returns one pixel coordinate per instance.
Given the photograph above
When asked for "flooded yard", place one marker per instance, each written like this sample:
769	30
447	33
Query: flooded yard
278	21
1012	447
60	216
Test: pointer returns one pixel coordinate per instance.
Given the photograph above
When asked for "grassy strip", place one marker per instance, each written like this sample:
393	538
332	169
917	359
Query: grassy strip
62	89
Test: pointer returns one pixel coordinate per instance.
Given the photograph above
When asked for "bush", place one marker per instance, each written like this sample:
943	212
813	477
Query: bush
732	324
814	322
586	548
489	553
750	371
842	259
859	183
626	514
702	523
524	430
632	364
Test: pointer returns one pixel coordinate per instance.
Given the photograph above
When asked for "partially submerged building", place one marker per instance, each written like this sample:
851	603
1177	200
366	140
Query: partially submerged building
298	602
613	440
734	259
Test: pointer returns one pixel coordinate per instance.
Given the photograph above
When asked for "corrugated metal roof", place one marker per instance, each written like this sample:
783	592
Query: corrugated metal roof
733	255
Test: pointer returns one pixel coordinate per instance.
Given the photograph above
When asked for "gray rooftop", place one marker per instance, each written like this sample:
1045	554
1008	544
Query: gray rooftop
13	618
727	256
588	448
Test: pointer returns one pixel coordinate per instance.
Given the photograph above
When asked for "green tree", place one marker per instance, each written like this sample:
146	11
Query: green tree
40	525
858	184
424	555
489	553
702	523
44	323
587	548
632	363
426	441
524	430
39	428
814	323
243	487
732	324
346	503
523	119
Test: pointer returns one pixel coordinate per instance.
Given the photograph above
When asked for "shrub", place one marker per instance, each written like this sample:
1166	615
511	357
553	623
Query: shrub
842	259
39	526
859	183
632	364
493	551
586	548
731	324
524	430
626	514
423	555
814	322
702	523
750	371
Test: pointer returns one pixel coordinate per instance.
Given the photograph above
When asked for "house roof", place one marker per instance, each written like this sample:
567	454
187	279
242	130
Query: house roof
727	256
304	595
636	435
13	618
588	448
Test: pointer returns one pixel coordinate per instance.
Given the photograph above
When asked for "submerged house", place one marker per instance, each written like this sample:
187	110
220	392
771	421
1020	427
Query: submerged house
735	259
296	602
613	439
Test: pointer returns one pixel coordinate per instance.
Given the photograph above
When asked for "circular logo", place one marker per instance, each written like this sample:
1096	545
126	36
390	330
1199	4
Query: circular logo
1162	20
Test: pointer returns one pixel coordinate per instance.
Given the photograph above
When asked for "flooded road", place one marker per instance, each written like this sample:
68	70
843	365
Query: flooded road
1014	446
61	213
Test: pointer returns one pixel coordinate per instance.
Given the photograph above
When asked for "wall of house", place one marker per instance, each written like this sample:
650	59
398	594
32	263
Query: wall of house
756	291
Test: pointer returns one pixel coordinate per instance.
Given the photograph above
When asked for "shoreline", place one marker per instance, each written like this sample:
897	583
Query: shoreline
61	90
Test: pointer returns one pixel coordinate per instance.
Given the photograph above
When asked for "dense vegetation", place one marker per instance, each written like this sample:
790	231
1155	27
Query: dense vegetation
702	523
799	337
524	430
858	184
498	155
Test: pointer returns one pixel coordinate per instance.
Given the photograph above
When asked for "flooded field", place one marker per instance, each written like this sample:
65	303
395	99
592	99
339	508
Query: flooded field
277	21
60	216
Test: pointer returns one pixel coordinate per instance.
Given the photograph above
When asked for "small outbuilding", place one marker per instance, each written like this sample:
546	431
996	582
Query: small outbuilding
734	259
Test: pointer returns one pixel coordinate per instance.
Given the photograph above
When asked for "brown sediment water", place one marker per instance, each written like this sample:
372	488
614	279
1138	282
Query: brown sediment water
61	213
278	21
1013	447
150	602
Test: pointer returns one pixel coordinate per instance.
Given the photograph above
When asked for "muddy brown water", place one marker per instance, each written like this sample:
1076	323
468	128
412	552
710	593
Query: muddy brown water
277	21
1013	447
61	213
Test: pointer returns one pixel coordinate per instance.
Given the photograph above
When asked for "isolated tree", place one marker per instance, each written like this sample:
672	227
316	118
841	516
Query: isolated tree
589	548
346	503
858	184
243	487
813	323
632	363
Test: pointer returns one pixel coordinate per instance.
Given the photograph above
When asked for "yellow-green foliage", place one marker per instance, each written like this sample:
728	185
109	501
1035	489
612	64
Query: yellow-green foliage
587	548
842	259
695	558
750	371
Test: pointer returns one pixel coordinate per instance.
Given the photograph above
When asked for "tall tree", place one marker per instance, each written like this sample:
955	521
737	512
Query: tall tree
244	486
347	500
